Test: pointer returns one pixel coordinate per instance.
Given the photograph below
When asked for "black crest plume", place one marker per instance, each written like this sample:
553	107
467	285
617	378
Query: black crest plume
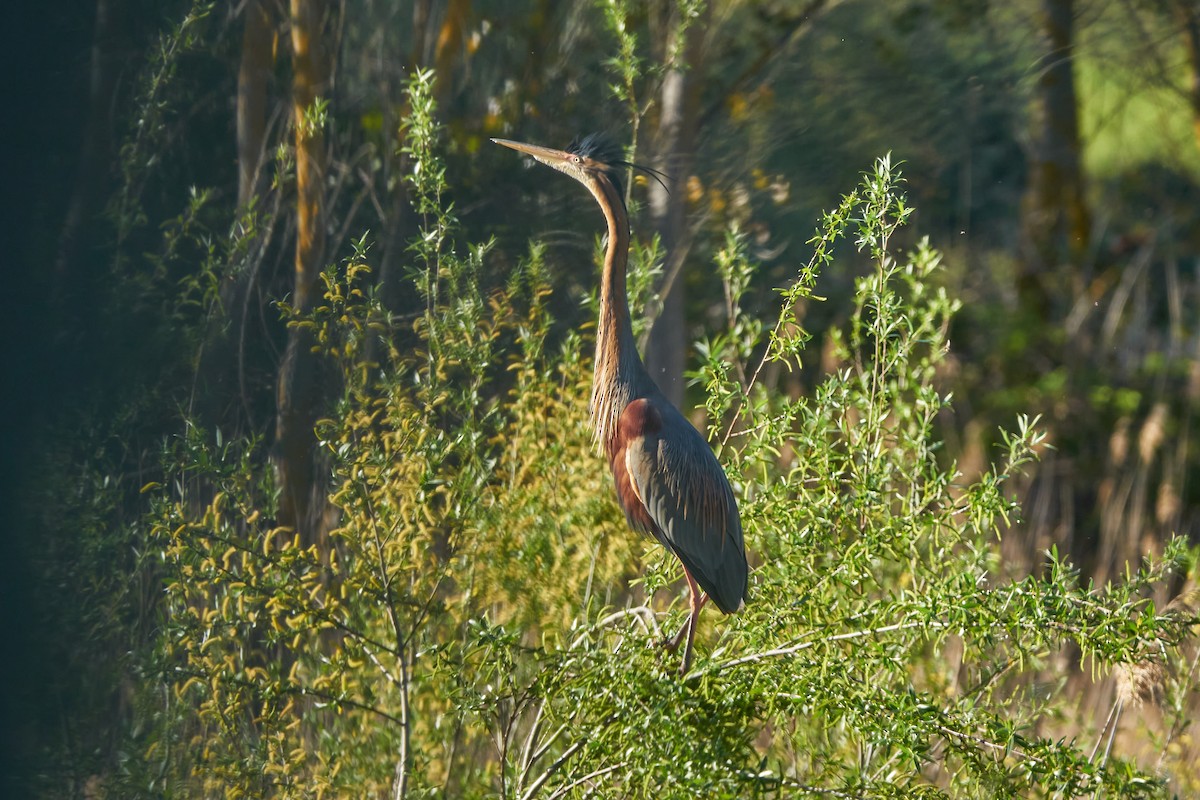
602	148
598	147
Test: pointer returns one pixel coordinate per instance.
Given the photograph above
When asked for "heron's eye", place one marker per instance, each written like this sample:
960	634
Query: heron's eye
577	159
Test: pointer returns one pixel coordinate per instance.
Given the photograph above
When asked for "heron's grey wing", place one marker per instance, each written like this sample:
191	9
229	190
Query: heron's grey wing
686	494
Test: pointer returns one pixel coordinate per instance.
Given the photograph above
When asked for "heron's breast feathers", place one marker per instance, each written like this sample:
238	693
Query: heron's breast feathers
664	467
671	486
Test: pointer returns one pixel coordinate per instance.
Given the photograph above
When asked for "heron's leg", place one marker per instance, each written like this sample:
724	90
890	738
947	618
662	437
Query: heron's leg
688	631
698	599
673	643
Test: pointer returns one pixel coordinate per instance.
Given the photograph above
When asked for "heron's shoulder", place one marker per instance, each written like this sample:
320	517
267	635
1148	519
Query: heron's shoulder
652	424
643	416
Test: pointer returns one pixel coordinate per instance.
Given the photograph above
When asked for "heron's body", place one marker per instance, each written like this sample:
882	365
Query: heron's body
668	481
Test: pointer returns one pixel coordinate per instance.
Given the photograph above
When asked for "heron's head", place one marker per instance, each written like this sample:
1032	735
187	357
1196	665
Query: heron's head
585	159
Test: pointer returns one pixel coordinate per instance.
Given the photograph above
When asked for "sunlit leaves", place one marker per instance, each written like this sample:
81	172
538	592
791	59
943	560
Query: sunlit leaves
474	625
871	555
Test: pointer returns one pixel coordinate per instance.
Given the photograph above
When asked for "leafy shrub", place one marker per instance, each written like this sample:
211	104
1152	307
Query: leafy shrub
474	625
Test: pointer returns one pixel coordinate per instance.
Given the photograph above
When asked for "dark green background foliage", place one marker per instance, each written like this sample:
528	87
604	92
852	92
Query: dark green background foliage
962	463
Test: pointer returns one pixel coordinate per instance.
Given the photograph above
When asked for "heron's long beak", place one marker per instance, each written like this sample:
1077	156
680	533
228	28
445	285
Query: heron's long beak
547	155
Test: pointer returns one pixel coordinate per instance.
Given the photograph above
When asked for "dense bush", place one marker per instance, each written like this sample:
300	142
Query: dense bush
475	624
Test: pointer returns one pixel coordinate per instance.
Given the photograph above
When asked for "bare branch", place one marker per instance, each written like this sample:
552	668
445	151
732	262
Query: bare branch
537	785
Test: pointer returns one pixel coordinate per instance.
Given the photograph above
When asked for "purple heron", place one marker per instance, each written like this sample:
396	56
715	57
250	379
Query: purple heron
668	481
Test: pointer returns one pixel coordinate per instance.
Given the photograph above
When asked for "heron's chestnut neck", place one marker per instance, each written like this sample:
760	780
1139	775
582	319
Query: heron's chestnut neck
618	377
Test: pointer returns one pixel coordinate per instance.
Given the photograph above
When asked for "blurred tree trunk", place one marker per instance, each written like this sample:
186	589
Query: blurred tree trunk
674	154
449	46
217	374
253	72
422	36
1055	219
1189	16
301	499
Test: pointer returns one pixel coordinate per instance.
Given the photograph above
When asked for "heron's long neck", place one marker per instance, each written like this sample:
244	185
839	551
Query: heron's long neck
618	375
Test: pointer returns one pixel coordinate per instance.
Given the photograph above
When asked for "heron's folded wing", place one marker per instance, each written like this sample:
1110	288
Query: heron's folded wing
688	497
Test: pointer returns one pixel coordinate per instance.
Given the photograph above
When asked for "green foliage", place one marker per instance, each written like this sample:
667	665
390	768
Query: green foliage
479	621
872	556
627	65
473	627
283	654
140	151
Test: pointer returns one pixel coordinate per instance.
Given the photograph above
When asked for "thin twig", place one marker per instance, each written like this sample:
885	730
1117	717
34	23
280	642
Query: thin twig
541	751
1108	721
774	337
594	774
809	643
1112	734
526	757
536	786
640	613
400	788
334	700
